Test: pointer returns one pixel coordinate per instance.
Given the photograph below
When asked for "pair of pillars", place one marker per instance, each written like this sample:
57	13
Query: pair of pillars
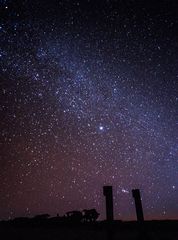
107	191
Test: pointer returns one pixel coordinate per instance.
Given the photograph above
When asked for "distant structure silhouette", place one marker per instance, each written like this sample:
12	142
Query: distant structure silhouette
42	216
90	215
138	204
74	216
107	191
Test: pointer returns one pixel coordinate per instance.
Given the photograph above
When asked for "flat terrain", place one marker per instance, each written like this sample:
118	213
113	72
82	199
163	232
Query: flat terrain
156	230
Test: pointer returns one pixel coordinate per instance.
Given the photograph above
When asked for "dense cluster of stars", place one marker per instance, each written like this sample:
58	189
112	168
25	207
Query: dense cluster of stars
88	97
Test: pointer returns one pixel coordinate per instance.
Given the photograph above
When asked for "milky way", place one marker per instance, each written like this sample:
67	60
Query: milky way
88	97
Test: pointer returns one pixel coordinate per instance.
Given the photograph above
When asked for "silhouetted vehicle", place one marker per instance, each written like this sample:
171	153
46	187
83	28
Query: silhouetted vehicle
74	216
90	215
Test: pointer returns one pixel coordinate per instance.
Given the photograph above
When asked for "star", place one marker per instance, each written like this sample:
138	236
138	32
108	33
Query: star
101	128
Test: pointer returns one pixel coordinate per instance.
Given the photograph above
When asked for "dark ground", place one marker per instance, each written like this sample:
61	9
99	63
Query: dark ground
156	230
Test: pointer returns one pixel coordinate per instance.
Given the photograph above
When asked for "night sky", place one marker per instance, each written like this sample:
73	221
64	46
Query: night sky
89	97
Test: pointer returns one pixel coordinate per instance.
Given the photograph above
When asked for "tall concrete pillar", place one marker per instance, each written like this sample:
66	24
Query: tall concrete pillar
107	191
138	204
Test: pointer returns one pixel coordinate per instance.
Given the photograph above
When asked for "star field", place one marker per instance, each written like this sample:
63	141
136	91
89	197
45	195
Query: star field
89	94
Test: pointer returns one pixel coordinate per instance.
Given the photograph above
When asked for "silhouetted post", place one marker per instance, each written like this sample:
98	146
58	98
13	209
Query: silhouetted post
107	191
138	204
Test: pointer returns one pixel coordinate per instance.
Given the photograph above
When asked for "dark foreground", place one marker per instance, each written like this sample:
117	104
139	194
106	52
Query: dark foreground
156	230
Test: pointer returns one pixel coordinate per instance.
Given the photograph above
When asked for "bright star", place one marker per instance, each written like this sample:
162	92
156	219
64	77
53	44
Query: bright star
101	128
